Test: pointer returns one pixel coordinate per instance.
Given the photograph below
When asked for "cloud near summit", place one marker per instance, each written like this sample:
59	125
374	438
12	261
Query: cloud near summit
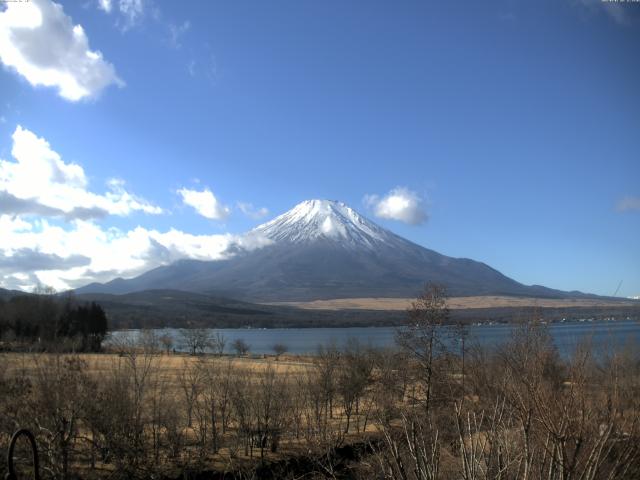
399	204
51	231
205	203
41	43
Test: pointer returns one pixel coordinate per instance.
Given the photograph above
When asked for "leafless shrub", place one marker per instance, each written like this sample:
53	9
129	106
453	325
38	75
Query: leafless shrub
195	340
279	349
218	343
240	346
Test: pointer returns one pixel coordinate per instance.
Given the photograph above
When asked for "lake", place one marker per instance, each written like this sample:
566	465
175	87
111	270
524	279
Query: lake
566	336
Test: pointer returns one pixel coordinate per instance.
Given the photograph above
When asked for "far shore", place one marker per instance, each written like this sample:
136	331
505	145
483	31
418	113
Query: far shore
456	303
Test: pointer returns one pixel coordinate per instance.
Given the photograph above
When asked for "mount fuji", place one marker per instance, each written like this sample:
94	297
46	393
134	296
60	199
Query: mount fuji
324	249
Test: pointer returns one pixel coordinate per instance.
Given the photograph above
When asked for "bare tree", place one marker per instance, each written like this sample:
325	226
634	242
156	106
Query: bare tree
218	343
195	340
422	336
214	400
240	346
148	341
57	409
117	414
279	349
166	341
326	363
354	376
190	379
270	407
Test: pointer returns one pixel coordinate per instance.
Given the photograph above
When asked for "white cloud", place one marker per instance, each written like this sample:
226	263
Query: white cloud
105	5
132	11
628	203
49	234
86	252
40	42
205	203
129	12
399	204
39	182
250	211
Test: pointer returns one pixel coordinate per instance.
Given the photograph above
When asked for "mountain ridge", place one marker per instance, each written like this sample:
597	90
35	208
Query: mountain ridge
323	249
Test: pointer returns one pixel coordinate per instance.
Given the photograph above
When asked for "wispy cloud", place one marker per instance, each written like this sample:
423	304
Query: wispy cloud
205	203
128	13
623	13
176	32
399	204
252	212
40	42
191	68
132	12
206	67
628	204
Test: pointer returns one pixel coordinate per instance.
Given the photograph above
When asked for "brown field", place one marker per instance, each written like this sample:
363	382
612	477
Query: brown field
170	366
139	413
171	371
456	303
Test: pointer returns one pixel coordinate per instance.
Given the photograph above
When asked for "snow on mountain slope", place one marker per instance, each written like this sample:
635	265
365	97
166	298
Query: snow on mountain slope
314	220
323	249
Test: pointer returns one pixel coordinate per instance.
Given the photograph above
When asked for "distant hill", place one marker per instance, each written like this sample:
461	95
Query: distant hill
178	309
325	250
7	294
174	308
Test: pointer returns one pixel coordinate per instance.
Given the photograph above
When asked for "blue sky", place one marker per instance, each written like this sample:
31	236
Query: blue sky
512	127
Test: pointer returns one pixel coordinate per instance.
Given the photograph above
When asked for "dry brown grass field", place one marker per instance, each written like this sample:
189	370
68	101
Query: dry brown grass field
455	303
170	365
180	382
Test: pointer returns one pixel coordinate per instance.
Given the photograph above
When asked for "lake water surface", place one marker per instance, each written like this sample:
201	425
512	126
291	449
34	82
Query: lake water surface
614	334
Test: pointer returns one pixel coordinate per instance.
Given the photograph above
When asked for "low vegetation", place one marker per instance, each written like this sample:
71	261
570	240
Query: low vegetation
429	409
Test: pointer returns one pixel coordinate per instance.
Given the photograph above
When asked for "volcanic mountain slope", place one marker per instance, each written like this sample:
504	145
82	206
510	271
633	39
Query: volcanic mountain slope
323	249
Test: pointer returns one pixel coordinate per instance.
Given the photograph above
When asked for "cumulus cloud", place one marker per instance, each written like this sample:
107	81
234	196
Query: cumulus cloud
49	234
205	203
252	212
40	42
629	203
399	204
39	182
99	253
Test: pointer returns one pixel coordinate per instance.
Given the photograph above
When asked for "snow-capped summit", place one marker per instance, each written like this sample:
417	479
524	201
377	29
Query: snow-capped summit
323	249
324	219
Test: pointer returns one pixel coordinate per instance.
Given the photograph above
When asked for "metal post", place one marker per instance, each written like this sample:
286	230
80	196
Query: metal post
34	449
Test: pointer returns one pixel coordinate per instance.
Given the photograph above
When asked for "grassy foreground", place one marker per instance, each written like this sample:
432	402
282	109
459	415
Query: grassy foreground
517	411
